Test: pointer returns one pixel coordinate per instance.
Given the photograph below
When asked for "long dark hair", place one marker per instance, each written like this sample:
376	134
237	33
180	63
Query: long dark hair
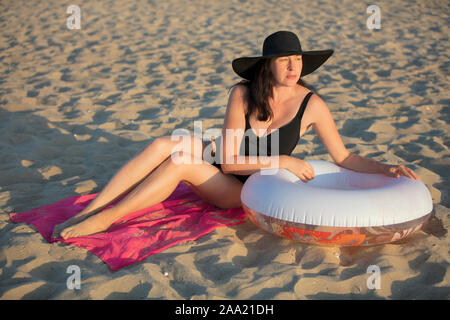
260	89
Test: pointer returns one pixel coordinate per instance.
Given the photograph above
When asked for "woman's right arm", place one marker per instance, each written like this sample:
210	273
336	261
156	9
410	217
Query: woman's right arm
299	167
232	134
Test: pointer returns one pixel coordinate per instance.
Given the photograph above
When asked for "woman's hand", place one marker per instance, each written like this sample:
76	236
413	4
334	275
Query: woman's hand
395	171
300	168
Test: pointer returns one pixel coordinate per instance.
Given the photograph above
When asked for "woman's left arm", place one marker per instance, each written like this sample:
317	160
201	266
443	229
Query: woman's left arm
325	128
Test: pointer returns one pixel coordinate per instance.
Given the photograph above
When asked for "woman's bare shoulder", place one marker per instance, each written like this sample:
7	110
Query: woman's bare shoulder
316	109
239	90
238	96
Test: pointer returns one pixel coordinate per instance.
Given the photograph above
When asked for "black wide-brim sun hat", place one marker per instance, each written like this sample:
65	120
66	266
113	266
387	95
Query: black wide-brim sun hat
280	44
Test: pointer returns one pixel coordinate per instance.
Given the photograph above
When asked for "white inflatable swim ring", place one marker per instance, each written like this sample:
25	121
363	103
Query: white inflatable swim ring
337	207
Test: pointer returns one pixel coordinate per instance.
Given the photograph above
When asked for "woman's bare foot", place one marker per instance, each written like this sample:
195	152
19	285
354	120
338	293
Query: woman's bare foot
72	221
95	224
60	227
57	230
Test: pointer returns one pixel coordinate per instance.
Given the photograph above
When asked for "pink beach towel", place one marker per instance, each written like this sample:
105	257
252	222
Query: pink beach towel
183	216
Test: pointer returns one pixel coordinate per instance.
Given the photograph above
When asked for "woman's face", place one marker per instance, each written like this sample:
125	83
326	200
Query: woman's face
287	70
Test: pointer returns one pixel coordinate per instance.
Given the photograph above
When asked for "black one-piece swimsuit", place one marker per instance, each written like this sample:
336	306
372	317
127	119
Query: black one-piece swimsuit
288	138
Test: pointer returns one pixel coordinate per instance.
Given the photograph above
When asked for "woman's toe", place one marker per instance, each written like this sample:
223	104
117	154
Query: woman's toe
65	234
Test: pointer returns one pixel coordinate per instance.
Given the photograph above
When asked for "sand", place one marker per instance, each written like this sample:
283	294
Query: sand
75	105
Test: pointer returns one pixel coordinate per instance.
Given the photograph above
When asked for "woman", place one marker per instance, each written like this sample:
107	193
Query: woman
274	100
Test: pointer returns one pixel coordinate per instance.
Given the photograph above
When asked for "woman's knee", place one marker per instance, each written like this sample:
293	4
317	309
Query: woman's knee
185	143
183	158
161	145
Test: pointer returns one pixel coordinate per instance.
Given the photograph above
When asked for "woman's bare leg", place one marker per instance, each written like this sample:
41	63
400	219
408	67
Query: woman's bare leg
205	179
130	175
